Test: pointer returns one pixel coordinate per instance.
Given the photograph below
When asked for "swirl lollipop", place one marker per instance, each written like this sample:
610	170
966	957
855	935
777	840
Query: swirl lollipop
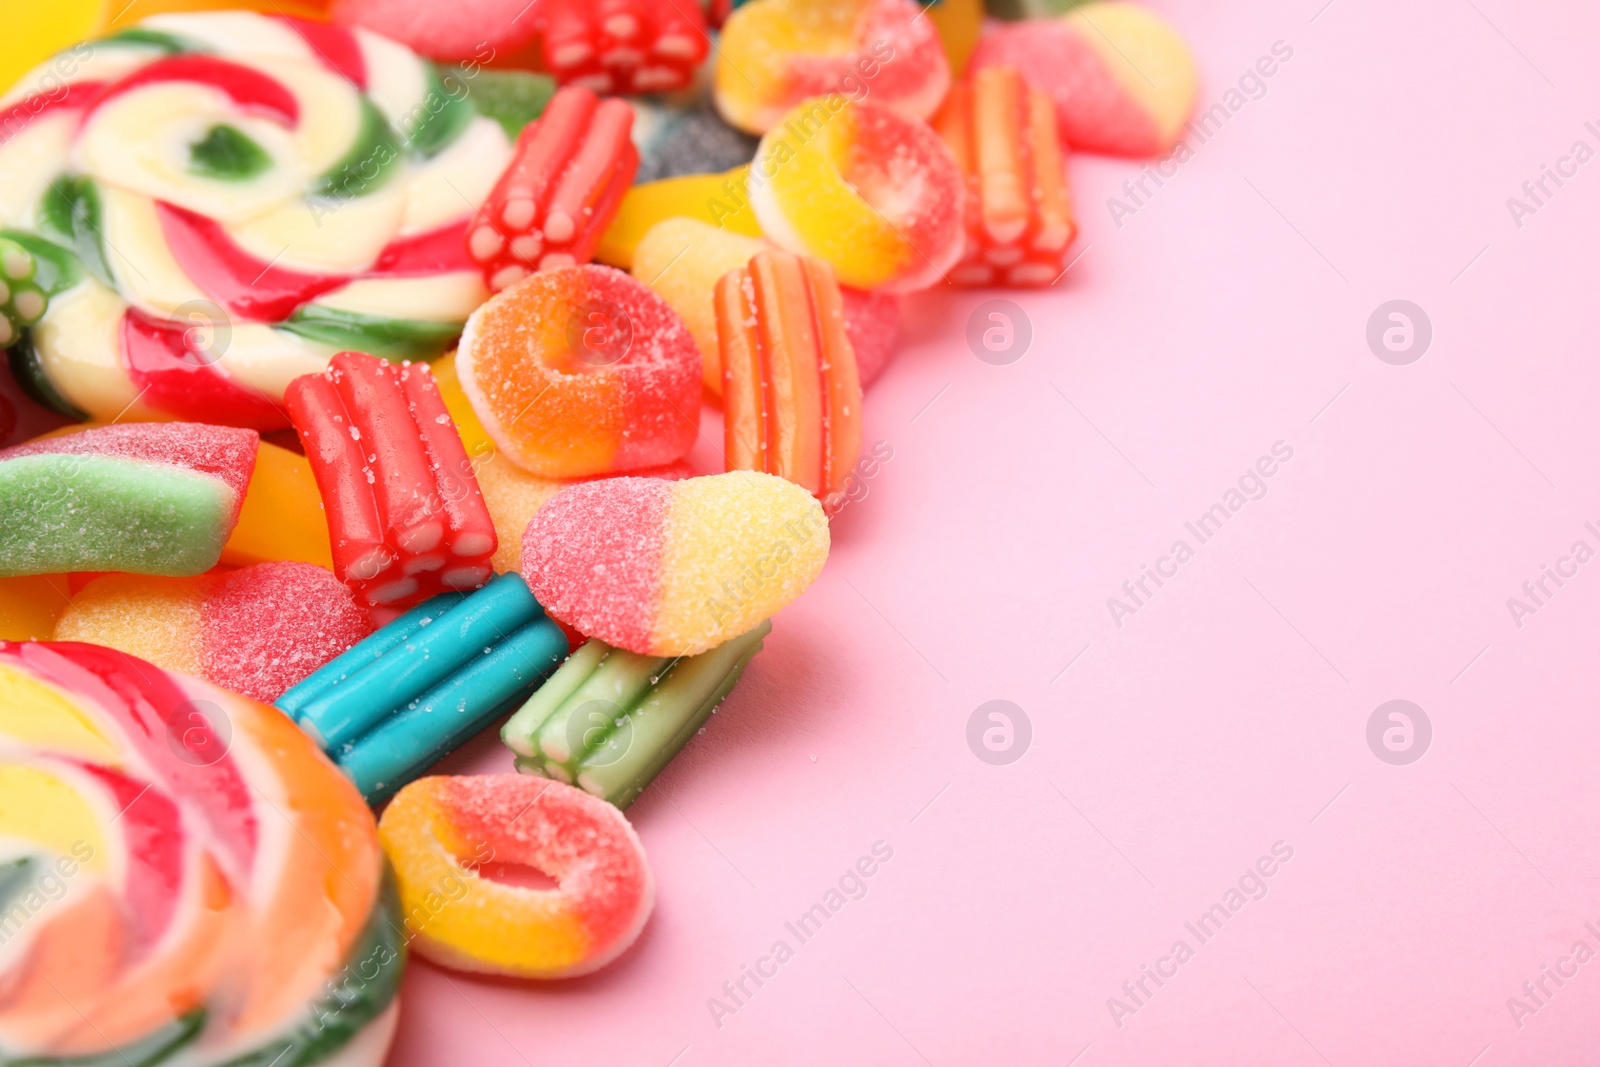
198	210
183	877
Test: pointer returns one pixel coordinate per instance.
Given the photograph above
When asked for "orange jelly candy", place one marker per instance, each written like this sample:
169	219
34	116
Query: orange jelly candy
790	387
1019	222
582	371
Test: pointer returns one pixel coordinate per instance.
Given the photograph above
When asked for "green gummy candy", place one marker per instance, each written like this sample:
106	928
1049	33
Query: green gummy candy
610	720
513	98
91	513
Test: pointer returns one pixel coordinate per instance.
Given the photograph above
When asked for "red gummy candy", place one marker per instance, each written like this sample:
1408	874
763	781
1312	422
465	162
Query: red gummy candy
404	510
623	46
266	627
561	191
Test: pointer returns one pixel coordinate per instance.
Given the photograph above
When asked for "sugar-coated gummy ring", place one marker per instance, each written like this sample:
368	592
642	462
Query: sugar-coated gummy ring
877	195
582	371
775	53
441	833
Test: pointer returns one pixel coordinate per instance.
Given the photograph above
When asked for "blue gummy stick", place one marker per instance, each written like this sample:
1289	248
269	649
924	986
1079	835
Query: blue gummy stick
363	652
411	740
424	660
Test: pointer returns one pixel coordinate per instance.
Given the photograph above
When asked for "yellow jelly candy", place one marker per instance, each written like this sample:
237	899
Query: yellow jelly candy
29	607
719	199
681	259
473	436
282	516
958	23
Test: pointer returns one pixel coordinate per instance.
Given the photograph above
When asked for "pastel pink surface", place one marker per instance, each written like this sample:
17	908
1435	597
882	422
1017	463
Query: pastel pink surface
1171	753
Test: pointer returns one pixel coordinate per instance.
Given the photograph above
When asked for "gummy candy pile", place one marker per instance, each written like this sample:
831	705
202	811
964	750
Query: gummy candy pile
357	361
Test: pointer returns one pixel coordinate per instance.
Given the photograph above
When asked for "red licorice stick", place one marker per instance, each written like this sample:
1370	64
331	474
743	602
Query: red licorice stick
623	46
389	441
404	510
337	462
566	180
471	531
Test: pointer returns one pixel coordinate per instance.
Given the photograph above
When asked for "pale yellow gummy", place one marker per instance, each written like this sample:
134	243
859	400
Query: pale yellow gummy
719	199
156	619
513	497
1146	56
738	547
681	259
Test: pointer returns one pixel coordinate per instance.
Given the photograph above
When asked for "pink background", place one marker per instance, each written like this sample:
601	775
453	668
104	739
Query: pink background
1227	314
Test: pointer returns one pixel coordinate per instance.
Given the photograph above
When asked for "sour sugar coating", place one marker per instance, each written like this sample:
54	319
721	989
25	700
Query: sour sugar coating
458	832
1122	79
149	498
224	884
405	516
570	171
514	497
256	631
582	371
776	53
791	396
622	46
395	703
609	721
674	568
874	193
1019	222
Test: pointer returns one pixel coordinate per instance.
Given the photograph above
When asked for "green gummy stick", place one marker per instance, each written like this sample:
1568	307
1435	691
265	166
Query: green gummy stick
521	731
674	712
598	707
618	755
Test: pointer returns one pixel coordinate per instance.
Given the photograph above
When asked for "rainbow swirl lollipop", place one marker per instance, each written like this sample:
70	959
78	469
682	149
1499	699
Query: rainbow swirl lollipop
197	210
184	878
